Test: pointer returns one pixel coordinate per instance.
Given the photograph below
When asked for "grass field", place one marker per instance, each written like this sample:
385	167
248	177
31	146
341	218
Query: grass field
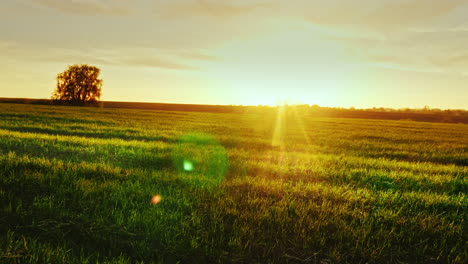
76	185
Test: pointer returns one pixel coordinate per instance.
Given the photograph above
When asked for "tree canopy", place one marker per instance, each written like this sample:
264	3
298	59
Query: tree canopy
78	85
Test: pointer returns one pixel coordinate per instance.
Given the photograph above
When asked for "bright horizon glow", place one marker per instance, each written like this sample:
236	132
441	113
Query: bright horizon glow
384	53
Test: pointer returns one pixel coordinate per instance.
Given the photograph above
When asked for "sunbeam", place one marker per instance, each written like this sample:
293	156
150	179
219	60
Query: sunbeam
278	134
301	124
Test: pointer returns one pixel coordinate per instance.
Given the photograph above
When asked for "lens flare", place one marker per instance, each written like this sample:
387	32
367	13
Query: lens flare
199	159
188	165
156	199
301	124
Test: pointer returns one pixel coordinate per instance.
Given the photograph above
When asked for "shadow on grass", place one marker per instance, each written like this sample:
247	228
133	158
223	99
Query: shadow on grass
46	203
46	119
446	160
101	135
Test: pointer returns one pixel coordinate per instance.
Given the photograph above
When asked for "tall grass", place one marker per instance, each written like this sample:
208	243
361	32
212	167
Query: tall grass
76	184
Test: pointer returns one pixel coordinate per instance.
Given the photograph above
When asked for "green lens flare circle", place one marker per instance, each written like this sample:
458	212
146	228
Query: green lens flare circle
200	160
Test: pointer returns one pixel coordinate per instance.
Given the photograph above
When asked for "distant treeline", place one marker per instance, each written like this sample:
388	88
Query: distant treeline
425	114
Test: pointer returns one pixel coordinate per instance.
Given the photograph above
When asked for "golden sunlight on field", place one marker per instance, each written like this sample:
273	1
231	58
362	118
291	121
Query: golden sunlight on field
103	185
233	131
297	118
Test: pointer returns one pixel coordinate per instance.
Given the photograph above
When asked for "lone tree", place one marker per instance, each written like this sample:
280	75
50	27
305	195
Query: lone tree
78	85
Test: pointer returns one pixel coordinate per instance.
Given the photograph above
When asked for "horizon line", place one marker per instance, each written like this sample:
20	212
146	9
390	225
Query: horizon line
257	105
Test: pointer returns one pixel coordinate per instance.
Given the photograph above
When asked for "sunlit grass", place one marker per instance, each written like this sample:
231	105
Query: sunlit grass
87	185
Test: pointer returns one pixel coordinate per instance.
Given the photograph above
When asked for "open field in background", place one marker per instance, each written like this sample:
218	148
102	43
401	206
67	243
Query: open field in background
76	184
424	115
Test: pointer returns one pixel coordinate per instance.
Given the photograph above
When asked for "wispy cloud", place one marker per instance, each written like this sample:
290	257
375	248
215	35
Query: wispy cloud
460	29
193	55
396	34
7	45
155	63
405	13
398	61
451	61
379	15
393	33
129	57
210	8
85	7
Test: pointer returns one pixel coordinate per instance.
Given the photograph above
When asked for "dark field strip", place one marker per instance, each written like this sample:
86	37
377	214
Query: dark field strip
446	116
75	186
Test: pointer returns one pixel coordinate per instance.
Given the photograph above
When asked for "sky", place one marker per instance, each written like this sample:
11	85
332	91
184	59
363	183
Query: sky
341	53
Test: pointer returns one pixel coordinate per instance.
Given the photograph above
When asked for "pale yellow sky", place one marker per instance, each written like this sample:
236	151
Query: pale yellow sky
390	53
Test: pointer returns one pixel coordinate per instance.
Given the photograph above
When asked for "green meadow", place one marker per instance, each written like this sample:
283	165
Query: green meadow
280	187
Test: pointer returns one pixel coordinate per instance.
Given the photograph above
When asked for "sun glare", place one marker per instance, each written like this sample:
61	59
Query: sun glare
271	67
